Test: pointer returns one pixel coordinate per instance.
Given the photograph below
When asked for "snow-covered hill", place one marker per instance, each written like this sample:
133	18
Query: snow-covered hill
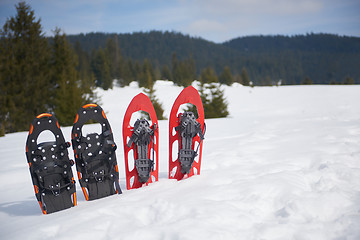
284	165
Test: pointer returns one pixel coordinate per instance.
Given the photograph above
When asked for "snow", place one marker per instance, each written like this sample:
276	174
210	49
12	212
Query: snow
284	165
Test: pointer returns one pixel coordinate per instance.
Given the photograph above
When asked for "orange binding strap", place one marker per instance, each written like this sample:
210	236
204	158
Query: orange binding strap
85	193
90	105
44	115
104	114
76	118
74	199
31	129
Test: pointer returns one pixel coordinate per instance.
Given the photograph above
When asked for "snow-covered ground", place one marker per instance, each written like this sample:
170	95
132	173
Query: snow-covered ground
284	165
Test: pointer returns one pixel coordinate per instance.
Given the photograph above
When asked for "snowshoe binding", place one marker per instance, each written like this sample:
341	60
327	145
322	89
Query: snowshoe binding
95	157
142	137
188	131
50	166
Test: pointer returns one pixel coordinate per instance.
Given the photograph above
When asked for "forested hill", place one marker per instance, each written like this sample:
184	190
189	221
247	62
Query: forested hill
159	47
323	58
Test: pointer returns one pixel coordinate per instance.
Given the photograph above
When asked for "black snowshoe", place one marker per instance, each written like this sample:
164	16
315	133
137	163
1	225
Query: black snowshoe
50	166
95	155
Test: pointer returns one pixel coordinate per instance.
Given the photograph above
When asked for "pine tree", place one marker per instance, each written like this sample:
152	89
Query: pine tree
188	69
68	96
238	79
2	130
101	68
86	76
24	70
144	80
128	73
212	96
208	75
113	54
166	73
348	81
245	77
307	81
183	72
150	91
218	103
226	77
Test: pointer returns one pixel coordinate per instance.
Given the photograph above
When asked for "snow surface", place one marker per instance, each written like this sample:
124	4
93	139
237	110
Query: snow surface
284	165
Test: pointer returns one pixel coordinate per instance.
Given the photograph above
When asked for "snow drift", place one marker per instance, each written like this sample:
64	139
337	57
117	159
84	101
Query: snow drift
284	165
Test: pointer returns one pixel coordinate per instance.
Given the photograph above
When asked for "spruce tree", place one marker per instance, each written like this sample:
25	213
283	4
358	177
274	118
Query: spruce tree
245	77
348	81
144	80
212	96
150	91
2	130
101	68
183	72
86	76
208	75
226	77
68	96
113	54
166	73
127	74
188	69
24	69
218	103
307	81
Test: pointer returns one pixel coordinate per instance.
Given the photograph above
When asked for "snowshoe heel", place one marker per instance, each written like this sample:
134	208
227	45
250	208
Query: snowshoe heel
144	167
50	166
186	158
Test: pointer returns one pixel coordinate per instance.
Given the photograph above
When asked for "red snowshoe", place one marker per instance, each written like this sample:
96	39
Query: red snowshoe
142	142
185	132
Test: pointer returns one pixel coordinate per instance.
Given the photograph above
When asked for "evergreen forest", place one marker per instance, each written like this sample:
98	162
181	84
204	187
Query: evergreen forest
58	73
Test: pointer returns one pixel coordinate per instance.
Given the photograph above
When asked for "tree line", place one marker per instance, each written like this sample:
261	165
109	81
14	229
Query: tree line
324	58
49	74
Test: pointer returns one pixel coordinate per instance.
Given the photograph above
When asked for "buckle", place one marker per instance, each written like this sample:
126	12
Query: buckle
55	192
99	176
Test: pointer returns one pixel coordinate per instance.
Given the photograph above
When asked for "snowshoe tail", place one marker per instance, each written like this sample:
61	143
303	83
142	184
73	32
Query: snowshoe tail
142	139
50	166
95	157
185	132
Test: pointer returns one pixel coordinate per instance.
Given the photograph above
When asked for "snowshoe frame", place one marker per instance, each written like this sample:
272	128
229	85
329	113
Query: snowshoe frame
134	177
50	166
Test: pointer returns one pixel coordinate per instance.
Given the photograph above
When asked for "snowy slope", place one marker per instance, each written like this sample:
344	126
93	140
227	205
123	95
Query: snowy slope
284	165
